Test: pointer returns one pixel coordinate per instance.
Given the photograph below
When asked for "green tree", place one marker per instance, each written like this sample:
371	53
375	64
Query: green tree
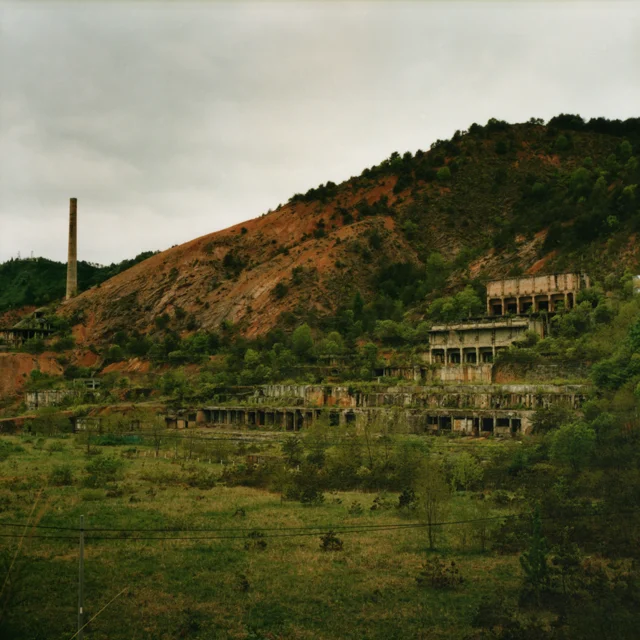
573	444
293	450
302	341
444	174
468	303
433	494
534	562
102	470
465	471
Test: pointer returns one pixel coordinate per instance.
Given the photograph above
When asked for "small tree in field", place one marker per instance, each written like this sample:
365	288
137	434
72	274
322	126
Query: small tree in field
433	496
534	562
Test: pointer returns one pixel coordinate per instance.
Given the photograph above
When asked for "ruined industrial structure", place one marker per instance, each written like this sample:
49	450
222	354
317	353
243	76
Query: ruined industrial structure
534	293
454	388
34	326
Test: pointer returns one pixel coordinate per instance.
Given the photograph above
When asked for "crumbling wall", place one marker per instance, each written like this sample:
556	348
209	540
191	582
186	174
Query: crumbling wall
509	372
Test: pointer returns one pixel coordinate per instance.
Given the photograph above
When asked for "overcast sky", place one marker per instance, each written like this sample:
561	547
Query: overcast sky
169	121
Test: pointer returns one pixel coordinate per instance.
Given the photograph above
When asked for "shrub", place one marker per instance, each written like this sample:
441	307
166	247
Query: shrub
280	290
382	502
437	574
61	475
407	500
103	470
92	495
330	542
255	541
444	174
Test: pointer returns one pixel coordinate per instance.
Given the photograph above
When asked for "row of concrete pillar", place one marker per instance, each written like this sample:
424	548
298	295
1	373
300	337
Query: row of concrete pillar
525	304
463	355
475	425
289	419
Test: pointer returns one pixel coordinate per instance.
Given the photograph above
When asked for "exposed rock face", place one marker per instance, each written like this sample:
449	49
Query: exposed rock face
15	369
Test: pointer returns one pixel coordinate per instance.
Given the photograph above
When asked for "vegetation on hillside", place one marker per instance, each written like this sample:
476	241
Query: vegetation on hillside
39	281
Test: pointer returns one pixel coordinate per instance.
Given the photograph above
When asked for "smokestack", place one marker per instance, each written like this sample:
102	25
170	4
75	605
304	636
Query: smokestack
72	262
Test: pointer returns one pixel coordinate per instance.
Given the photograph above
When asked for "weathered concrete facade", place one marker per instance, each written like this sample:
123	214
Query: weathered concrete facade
478	341
467	421
47	397
470	409
534	293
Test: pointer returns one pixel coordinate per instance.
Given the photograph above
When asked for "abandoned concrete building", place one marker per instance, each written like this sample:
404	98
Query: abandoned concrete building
478	341
33	326
465	351
466	409
534	293
455	391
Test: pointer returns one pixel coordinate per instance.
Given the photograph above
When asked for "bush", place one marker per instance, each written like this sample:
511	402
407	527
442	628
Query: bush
255	541
280	290
407	500
103	470
437	574
444	174
92	495
61	475
330	542
355	509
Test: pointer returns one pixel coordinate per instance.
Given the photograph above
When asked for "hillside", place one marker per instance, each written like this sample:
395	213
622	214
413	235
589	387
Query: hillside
39	281
495	200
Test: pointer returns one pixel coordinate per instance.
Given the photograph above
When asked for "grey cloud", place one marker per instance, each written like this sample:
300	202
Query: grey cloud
173	120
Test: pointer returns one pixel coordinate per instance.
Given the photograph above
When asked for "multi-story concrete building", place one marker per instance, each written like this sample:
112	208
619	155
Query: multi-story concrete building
534	293
478	341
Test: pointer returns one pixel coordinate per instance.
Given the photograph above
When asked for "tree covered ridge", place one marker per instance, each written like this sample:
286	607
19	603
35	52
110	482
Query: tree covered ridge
40	281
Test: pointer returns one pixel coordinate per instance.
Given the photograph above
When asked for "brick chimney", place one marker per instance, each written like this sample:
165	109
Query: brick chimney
72	262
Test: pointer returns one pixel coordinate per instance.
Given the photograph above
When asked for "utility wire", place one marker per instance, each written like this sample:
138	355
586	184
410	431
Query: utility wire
283	532
249	529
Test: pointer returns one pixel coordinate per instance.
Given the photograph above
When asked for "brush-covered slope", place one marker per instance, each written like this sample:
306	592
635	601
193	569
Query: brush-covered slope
495	200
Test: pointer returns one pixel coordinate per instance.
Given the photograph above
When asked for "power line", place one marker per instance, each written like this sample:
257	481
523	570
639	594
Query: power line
298	534
281	532
250	529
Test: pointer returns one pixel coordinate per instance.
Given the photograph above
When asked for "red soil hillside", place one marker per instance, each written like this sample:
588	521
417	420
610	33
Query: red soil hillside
200	278
484	200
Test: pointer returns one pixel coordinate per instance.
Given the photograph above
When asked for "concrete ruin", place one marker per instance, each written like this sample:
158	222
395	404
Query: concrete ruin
466	409
534	293
479	341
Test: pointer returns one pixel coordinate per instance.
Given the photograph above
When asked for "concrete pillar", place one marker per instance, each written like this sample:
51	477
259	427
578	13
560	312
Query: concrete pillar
72	260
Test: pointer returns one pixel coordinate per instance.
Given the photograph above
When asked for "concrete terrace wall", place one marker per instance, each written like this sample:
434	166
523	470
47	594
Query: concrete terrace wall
467	421
47	397
506	372
516	396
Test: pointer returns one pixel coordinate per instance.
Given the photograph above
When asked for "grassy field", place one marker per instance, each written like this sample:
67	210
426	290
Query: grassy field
222	585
